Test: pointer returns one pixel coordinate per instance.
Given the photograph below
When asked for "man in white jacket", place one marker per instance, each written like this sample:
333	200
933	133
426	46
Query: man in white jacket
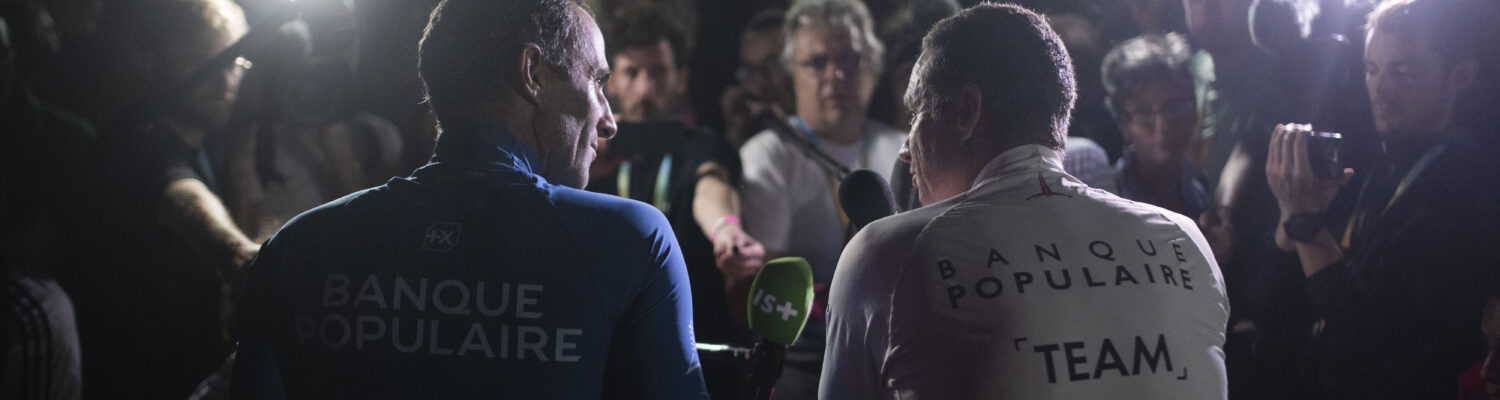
1015	280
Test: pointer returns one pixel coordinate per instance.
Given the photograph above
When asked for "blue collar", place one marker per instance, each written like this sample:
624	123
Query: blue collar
485	147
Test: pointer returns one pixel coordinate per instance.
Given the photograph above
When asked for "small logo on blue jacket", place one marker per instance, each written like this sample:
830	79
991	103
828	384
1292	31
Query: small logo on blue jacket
441	236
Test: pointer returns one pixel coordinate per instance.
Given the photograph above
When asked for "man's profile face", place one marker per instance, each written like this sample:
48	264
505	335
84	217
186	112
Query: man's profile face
831	80
646	82
573	115
1411	90
932	148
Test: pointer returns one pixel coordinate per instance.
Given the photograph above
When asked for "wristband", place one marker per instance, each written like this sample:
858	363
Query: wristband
720	224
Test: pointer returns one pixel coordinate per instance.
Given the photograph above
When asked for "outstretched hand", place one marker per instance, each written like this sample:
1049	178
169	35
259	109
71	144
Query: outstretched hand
738	256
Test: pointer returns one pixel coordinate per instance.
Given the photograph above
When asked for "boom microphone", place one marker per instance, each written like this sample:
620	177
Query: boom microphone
780	299
865	197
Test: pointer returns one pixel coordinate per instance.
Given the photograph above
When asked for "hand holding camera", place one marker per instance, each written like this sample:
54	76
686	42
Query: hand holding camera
1304	169
1305	173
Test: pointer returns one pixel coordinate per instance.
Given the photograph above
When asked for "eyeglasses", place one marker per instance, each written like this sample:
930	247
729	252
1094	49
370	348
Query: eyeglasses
243	63
846	62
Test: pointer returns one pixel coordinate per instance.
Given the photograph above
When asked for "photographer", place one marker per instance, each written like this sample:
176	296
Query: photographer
1397	283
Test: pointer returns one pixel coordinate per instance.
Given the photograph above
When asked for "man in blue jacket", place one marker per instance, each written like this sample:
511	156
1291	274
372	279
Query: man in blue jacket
486	273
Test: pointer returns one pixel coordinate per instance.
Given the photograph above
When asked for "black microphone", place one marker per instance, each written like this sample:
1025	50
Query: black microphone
865	197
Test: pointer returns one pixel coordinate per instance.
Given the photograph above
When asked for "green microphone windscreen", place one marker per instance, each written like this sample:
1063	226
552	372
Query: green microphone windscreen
780	299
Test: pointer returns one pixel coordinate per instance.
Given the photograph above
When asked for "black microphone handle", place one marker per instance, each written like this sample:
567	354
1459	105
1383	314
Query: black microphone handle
865	197
767	362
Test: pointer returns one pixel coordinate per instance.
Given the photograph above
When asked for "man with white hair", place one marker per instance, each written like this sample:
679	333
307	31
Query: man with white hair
834	59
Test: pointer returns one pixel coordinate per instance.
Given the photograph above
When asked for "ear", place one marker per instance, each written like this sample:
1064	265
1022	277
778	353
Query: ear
526	77
1463	74
965	111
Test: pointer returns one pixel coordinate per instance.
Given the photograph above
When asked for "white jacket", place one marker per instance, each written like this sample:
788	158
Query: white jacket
1030	285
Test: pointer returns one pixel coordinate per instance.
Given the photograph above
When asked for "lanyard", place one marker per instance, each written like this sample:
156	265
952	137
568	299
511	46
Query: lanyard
833	181
812	140
658	192
1358	219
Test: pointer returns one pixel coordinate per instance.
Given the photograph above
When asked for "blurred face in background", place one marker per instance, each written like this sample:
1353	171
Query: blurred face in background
1412	91
1216	25
647	83
334	28
209	102
1490	325
1159	119
760	73
832	80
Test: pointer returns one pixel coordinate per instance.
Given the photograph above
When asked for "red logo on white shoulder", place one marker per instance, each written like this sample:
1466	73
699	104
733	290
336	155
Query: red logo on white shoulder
1046	190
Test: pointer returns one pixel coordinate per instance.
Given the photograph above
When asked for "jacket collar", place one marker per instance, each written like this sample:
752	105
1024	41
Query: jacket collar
1021	158
485	147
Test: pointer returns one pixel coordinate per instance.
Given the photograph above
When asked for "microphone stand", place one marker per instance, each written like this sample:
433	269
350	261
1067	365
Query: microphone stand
723	352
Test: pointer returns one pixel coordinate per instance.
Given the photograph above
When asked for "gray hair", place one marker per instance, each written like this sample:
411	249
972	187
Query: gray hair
839	12
1138	61
465	49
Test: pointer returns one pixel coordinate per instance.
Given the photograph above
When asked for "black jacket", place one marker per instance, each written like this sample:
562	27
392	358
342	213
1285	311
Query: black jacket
1400	313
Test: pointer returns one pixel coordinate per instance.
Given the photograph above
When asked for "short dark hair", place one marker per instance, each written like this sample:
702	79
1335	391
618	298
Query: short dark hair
1017	61
1458	30
645	28
766	19
464	50
1140	60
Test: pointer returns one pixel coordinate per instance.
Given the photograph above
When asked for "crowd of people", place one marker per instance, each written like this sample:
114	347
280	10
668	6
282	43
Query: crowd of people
1243	199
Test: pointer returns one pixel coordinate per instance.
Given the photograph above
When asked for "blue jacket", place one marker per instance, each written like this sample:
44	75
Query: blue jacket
472	278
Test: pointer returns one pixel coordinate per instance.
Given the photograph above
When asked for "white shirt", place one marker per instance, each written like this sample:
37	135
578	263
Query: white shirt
789	200
789	197
1030	285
